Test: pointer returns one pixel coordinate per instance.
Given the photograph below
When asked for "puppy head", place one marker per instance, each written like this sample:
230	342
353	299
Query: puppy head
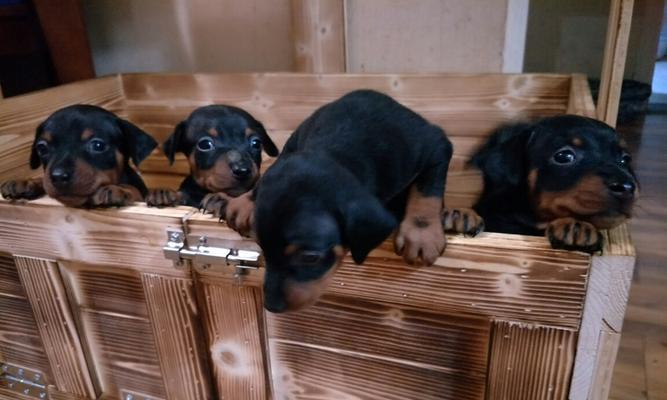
570	166
304	234
224	148
84	147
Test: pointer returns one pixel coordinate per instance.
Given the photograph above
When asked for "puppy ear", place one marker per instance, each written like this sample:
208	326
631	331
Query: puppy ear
366	224
174	142
268	145
35	161
501	158
139	144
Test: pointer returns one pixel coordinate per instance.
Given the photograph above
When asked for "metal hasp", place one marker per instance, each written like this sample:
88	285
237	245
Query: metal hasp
25	381
206	252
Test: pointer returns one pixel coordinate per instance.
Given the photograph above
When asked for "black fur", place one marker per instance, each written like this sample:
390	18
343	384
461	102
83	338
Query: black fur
342	180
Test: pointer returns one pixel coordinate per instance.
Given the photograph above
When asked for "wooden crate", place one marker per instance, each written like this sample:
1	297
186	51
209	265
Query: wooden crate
88	299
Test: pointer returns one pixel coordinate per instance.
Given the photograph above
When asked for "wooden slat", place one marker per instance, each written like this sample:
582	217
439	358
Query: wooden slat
530	362
581	101
318	29
234	325
604	309
110	309
178	337
20	343
45	291
451	344
464	105
613	64
10	284
131	236
316	372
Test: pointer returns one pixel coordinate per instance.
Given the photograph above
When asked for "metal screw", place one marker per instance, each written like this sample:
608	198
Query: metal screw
11	385
38	377
5	367
42	395
27	391
20	371
129	397
175	237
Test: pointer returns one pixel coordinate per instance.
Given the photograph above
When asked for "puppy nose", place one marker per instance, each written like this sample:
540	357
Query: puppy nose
622	189
60	177
240	171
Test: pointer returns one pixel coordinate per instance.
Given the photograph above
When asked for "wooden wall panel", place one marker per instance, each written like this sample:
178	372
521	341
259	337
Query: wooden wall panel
530	362
178	336
419	344
112	315
57	328
455	342
318	30
233	319
314	372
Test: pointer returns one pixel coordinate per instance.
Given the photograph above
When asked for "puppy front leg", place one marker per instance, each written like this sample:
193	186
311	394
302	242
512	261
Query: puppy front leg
28	189
420	234
571	234
115	196
164	198
238	212
462	220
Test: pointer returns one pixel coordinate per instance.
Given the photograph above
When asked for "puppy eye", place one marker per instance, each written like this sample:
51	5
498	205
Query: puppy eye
42	148
205	144
309	257
626	159
565	156
255	143
97	146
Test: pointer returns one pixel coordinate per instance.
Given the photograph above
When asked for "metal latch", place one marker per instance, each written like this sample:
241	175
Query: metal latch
206	251
23	380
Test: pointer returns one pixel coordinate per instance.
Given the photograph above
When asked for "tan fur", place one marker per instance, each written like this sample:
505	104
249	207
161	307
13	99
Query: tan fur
571	232
420	235
302	294
86	134
588	197
462	220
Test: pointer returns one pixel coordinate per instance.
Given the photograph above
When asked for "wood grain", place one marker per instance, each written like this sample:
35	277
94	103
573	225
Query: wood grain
530	362
10	283
112	315
318	30
132	236
604	309
178	337
613	63
45	291
581	101
317	372
234	324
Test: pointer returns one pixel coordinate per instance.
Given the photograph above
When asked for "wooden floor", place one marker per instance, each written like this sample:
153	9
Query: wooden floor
641	367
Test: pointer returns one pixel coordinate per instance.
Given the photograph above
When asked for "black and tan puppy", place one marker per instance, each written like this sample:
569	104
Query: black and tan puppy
345	178
565	176
223	145
85	151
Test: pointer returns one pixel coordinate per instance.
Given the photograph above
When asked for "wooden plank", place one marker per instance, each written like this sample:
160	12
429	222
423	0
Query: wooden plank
613	64
462	104
47	296
606	357
110	310
10	283
529	361
234	323
318	29
317	372
456	343
131	236
178	337
604	308
581	101
516	25
656	368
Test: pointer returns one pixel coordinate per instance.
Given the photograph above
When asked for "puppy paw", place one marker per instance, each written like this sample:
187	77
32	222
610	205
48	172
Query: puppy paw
113	196
462	220
570	234
420	238
240	214
215	203
163	198
28	189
